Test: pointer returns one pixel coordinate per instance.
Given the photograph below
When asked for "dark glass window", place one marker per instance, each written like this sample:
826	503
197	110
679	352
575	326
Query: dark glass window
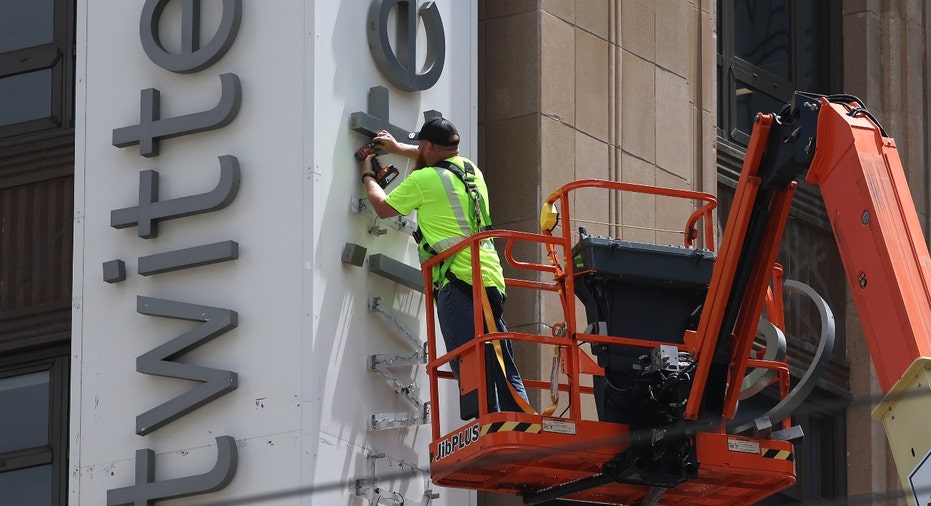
750	100
32	485
25	24
34	431
36	66
26	396
26	97
768	49
763	35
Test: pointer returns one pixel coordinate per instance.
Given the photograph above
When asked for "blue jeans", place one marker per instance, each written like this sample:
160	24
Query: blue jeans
454	312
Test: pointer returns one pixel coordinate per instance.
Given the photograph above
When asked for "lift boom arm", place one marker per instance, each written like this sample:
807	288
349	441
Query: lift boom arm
835	143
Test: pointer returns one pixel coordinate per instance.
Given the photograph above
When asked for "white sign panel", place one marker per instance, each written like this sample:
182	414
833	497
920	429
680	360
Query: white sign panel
919	481
222	346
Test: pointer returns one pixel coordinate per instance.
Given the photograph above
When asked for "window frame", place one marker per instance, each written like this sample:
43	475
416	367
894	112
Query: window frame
732	68
56	361
58	56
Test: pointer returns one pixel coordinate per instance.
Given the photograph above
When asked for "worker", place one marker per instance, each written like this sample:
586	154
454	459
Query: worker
448	212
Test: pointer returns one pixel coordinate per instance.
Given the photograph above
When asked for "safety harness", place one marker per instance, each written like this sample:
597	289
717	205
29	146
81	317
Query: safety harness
476	220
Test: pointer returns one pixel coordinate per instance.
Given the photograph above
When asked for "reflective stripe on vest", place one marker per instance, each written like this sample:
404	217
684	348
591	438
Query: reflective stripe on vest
461	220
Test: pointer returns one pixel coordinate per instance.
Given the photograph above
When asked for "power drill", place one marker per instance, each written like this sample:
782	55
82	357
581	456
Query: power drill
383	175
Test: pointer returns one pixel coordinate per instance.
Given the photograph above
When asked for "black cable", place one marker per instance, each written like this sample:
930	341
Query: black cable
845	99
347	484
838	403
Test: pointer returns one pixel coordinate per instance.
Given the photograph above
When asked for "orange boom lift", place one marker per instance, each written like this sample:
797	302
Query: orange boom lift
666	349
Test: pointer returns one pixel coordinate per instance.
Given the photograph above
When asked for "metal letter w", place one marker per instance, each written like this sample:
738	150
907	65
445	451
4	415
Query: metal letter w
160	361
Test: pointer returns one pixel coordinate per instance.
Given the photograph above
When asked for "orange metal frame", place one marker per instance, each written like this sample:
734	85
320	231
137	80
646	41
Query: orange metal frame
722	280
524	453
879	237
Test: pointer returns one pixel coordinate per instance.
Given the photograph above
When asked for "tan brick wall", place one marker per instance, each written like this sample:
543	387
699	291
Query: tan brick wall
572	89
626	90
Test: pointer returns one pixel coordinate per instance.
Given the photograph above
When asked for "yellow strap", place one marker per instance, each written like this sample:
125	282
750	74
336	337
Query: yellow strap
490	322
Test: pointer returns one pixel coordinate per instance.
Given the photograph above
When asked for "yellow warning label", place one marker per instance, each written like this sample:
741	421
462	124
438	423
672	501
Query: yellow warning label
770	453
510	427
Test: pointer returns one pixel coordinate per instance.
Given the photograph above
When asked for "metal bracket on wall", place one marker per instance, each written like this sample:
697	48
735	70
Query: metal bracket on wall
371	491
402	224
385	421
380	364
377	306
410	392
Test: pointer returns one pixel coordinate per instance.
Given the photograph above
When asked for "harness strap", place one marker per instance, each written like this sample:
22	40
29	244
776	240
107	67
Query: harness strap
467	227
467	175
499	354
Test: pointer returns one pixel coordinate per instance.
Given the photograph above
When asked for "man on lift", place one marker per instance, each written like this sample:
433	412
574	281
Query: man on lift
451	198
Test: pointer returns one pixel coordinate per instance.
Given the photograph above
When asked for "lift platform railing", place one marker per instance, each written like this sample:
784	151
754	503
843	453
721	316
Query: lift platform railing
596	441
558	248
705	203
470	351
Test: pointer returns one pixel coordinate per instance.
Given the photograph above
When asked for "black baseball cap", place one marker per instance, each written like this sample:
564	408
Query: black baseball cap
438	131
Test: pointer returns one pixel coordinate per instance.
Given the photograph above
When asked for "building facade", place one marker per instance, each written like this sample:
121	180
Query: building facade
183	203
663	93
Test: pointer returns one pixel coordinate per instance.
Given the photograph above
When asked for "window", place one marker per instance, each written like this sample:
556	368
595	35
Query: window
36	195
36	66
820	480
768	49
33	443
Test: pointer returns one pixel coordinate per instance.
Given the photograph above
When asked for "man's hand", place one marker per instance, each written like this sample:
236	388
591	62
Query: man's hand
374	192
386	142
367	166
